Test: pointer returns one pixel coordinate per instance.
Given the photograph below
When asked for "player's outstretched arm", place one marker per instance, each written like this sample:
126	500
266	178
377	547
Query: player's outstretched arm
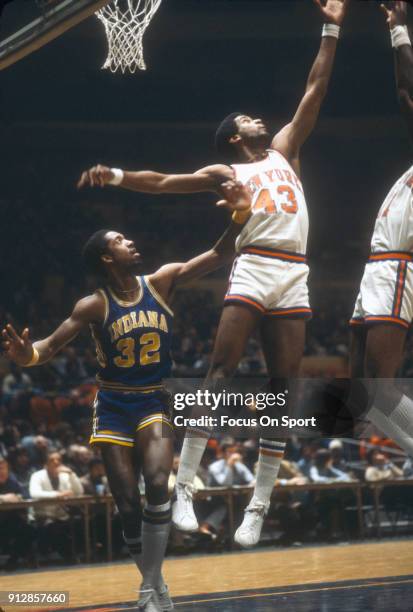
21	350
290	139
146	181
237	199
396	15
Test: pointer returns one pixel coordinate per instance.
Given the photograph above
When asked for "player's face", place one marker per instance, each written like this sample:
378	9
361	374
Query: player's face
122	250
251	129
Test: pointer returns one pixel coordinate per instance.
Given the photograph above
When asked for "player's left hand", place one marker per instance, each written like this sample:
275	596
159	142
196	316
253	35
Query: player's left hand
333	11
396	13
237	196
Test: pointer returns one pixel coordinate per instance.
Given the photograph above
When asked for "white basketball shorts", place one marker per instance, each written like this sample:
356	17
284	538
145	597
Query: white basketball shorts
270	281
386	290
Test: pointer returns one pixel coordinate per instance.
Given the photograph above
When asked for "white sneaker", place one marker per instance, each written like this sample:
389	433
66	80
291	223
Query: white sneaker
164	599
148	600
183	515
248	533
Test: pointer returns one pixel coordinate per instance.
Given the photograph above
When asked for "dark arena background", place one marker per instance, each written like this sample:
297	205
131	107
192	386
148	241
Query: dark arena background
326	545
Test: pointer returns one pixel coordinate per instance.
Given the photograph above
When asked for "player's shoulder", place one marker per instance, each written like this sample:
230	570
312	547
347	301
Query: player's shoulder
217	170
92	308
165	272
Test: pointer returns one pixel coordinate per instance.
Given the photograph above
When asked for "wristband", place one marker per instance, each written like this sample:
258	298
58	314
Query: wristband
34	359
330	29
117	176
399	36
241	216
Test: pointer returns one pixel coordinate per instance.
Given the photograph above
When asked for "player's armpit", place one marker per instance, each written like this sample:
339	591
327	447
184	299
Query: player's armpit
88	310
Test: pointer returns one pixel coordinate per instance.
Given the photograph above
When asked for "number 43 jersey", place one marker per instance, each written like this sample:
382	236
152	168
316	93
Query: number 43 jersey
279	211
133	344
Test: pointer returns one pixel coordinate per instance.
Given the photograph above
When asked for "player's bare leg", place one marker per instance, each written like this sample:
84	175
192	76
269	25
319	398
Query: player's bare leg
154	445
122	466
283	345
235	327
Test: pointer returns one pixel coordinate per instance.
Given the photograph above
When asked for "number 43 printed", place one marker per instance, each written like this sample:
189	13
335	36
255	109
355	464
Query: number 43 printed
287	201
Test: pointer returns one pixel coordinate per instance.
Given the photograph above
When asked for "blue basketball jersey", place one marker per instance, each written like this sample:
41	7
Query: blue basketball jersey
133	344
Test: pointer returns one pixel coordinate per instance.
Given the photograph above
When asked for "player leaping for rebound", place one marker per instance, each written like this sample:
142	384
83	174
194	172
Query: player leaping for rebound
384	306
130	321
268	284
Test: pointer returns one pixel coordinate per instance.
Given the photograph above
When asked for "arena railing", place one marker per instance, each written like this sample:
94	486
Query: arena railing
231	495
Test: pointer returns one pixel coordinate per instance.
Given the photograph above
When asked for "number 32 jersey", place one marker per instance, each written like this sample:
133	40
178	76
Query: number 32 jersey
279	211
133	344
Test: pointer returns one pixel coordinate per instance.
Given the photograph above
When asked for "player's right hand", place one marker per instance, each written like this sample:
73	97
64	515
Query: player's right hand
237	196
98	176
395	12
17	348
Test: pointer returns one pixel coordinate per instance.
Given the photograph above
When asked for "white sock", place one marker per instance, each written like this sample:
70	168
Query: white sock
155	532
269	461
396	423
191	454
135	550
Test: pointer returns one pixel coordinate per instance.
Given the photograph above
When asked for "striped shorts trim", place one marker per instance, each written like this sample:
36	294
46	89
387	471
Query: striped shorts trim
111	437
154	418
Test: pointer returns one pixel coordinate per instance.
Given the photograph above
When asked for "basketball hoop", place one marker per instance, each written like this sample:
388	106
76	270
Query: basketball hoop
125	23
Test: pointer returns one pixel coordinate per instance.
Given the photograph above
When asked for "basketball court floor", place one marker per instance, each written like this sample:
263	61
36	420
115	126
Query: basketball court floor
348	577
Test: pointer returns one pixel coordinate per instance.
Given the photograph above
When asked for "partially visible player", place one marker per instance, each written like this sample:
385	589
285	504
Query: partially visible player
131	323
268	285
384	307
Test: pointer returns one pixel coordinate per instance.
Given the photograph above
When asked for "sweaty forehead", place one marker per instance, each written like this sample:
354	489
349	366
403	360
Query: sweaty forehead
112	235
239	118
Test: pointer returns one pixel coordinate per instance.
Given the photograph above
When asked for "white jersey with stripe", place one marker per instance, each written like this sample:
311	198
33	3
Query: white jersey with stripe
393	230
279	211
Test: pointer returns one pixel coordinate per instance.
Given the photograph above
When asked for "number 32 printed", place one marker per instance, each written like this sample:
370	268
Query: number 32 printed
265	201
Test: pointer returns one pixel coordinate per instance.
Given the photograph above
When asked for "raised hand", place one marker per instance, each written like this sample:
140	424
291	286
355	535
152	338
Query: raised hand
395	12
98	176
333	11
237	196
17	348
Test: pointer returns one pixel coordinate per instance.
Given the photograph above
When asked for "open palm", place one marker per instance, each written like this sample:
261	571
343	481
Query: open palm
17	348
333	11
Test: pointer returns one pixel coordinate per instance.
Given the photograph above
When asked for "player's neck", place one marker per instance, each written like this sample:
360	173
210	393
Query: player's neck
249	155
126	286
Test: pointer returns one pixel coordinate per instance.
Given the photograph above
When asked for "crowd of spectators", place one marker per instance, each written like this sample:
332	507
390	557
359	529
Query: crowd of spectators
43	459
45	412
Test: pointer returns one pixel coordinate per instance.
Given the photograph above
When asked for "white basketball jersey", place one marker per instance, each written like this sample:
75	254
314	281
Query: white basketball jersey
393	230
279	211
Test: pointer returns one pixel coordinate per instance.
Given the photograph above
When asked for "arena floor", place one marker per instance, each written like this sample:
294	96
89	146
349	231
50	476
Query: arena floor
351	578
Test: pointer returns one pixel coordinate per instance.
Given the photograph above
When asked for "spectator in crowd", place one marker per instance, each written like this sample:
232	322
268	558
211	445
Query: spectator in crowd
225	472
22	469
408	468
330	503
381	468
95	481
15	383
37	446
16	535
55	481
79	457
323	471
70	368
305	463
338	462
230	470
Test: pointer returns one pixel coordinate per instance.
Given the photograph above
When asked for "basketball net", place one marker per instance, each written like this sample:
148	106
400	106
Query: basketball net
125	23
